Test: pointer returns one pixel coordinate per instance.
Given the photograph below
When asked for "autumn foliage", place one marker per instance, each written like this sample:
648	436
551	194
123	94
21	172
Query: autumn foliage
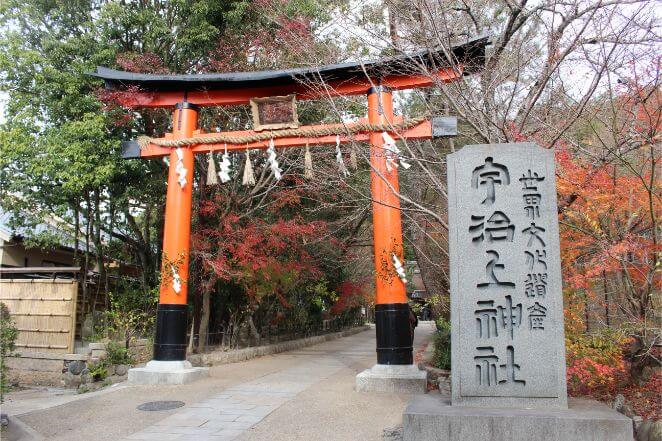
605	221
351	295
263	257
609	206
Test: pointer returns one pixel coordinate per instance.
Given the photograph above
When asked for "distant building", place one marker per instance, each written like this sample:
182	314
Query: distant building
14	253
415	284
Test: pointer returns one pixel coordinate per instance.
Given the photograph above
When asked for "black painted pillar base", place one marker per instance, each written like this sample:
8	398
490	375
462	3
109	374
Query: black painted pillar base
394	339
170	340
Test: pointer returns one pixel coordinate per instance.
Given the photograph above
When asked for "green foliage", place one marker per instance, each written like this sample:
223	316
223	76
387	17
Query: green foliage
117	353
416	307
8	335
604	346
99	371
131	314
441	339
439	305
59	145
442	324
320	295
312	302
100	333
43	240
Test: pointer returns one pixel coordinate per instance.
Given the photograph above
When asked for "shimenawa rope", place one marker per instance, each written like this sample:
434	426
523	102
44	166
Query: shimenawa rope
305	132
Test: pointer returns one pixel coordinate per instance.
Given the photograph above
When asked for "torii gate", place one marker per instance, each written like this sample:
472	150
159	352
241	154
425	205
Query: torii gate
186	93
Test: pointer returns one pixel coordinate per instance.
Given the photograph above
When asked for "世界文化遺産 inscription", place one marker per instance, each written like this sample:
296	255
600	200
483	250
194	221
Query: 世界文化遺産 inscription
507	323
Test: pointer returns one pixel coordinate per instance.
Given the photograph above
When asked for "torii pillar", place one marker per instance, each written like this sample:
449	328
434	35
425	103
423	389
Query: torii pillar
169	365
394	371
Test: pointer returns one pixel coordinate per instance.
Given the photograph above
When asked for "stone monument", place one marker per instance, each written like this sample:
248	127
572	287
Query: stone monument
506	300
508	349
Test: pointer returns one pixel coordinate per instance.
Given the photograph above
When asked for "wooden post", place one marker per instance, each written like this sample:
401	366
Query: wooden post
394	339
170	340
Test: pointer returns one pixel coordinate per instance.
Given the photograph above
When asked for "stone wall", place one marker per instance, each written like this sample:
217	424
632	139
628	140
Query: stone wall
68	370
40	368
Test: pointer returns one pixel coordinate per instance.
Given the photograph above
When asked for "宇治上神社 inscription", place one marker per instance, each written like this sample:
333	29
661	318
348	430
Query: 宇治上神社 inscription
506	300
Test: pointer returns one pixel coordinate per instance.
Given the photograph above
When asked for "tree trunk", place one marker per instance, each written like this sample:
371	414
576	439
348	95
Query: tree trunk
204	321
253	329
197	315
99	247
191	348
76	227
86	265
196	274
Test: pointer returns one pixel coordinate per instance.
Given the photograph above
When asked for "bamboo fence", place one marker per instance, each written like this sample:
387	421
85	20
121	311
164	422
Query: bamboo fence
44	311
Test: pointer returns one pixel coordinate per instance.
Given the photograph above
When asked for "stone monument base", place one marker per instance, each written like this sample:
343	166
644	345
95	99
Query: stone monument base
393	378
167	372
431	417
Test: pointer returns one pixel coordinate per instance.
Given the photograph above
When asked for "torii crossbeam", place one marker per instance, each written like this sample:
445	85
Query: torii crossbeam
424	129
187	92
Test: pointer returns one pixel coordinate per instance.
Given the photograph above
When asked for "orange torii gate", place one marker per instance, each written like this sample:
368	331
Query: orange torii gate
186	93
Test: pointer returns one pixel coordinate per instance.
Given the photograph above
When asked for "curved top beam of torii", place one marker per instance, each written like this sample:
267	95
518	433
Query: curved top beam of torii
353	78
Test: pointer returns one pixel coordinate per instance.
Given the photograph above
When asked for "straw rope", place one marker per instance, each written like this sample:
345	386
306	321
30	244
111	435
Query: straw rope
305	132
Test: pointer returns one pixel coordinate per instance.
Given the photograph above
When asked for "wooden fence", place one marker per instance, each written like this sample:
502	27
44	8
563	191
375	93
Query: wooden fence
44	311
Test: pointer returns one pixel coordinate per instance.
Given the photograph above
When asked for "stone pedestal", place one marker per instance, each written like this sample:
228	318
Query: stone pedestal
392	378
432	418
167	372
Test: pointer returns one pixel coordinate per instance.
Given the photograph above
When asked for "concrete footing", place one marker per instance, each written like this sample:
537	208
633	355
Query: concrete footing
167	372
392	378
431	417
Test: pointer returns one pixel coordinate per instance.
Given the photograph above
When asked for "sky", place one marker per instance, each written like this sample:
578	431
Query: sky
346	27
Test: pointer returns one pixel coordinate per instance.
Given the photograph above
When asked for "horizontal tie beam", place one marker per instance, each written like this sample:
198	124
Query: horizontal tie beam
437	127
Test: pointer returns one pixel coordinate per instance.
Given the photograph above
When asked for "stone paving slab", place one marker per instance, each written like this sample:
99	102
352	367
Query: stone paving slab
229	414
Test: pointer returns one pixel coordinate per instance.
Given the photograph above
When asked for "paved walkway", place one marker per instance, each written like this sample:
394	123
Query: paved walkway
306	394
227	415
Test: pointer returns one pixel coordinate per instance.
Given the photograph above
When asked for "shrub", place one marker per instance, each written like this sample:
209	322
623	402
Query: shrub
442	324
8	335
99	371
595	363
116	353
441	339
129	318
